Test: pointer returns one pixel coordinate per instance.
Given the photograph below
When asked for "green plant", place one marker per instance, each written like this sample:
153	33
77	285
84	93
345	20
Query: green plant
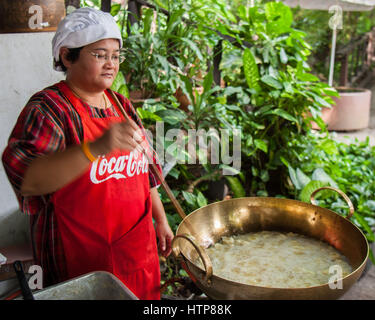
145	58
320	160
158	50
270	92
90	3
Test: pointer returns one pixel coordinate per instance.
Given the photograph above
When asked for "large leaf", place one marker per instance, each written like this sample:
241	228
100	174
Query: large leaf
229	170
118	82
320	175
283	56
279	17
163	61
264	176
201	200
320	100
251	70
207	82
293	177
124	90
310	188
302	178
272	82
369	233
190	198
329	146
194	48
236	187
115	9
262	145
282	114
288	87
187	87
331	92
299	179
147	20
307	77
284	161
172	116
145	114
320	122
242	12
174	19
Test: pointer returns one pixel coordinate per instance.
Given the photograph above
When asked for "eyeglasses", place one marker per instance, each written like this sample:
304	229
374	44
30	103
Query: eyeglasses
103	58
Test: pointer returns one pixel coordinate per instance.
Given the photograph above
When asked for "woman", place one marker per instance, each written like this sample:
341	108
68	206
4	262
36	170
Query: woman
73	160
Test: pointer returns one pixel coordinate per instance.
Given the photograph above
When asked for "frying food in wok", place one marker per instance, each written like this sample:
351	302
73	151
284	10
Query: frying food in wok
276	259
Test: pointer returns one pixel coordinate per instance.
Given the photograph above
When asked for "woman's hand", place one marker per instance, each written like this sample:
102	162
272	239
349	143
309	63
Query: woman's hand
124	135
165	236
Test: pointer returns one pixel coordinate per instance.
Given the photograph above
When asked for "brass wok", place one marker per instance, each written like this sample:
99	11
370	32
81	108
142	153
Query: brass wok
206	226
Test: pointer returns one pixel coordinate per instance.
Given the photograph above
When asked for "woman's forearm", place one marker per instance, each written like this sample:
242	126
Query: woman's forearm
50	173
163	230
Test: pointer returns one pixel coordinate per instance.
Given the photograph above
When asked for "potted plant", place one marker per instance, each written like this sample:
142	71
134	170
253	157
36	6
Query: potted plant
351	110
157	52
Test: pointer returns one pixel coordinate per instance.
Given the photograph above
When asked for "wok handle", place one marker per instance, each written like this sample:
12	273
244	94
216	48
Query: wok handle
202	254
348	201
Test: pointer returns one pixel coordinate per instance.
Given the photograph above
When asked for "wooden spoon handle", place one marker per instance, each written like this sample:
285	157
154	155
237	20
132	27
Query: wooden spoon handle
153	167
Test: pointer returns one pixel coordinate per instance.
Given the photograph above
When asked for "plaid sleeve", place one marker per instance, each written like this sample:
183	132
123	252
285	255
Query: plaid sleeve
154	181
36	133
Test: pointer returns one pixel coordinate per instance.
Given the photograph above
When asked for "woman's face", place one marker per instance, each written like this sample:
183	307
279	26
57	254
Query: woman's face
92	73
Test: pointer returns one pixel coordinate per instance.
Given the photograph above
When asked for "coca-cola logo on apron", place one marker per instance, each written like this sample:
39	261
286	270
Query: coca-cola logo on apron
118	167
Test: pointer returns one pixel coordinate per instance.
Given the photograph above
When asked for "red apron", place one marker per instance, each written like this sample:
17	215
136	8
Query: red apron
104	216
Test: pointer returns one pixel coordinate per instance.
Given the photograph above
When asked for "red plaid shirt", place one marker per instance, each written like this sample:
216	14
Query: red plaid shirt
47	124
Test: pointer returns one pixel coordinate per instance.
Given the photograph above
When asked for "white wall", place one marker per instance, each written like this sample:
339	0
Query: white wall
25	68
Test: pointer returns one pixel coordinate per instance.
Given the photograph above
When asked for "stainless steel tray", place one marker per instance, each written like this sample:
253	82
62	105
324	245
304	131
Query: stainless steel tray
98	285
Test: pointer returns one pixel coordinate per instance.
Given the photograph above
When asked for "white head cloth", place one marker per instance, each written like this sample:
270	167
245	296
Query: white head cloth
82	27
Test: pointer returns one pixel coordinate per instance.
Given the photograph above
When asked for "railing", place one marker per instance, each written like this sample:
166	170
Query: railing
356	61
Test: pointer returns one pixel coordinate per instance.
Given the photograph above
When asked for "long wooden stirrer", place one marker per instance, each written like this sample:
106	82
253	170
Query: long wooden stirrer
154	168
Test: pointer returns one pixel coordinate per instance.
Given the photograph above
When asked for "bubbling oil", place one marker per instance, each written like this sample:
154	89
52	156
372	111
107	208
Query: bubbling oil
276	259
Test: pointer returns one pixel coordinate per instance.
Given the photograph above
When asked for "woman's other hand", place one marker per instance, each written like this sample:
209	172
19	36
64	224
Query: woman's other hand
124	135
163	230
165	237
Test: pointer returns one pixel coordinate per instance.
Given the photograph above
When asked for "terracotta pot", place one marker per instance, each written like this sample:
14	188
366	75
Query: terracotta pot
351	112
31	15
326	117
135	95
137	98
183	99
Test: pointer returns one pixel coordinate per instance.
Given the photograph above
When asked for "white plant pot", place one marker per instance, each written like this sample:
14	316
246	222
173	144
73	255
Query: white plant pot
351	111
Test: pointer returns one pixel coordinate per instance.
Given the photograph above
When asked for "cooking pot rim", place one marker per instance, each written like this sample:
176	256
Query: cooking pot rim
278	199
